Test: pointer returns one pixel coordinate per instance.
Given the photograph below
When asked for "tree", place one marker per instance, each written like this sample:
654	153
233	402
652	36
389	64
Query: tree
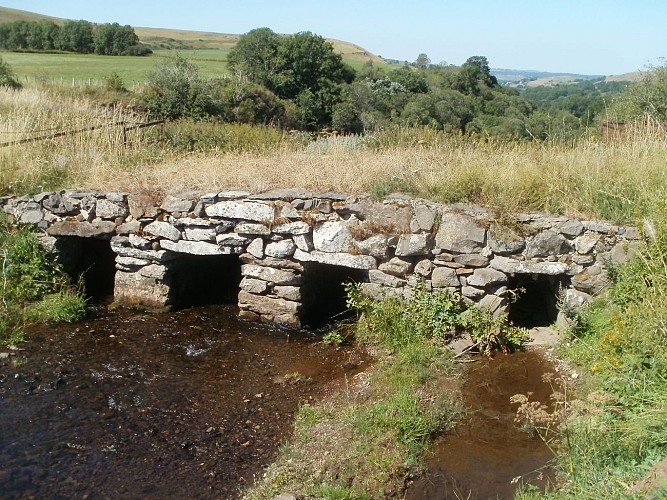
256	56
422	61
475	74
76	36
176	90
114	39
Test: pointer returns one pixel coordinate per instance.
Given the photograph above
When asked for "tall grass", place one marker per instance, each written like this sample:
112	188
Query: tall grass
617	180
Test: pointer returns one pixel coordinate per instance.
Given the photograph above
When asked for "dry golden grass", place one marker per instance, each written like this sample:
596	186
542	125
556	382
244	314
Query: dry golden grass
616	180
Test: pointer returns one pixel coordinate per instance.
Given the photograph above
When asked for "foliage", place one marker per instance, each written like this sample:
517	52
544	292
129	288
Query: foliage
32	287
492	334
646	99
622	344
175	89
7	78
74	36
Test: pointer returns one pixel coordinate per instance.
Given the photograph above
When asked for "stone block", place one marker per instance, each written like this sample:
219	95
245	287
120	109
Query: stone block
280	249
337	259
484	277
252	229
200	234
375	246
288	292
293	228
460	233
444	277
272	275
252	285
413	244
198	248
163	230
105	209
96	229
547	243
510	266
586	242
333	237
256	248
381	278
177	204
243	210
396	267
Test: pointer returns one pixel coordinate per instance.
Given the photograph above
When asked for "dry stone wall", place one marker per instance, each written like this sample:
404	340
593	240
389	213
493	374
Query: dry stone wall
398	242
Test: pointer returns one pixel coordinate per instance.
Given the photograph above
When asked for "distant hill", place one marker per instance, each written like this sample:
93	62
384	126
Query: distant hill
518	78
184	39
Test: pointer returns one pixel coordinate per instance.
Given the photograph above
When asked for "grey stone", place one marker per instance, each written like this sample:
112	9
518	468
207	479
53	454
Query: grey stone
152	255
61	206
332	237
292	228
283	194
424	268
141	206
571	227
232	194
198	248
288	292
131	261
379	292
495	304
471	260
504	240
276	310
484	277
157	271
177	204
247	258
375	246
233	240
163	230
396	266
325	207
337	259
511	266
583	260
129	227
460	233
590	281
195	222
600	227
472	292
248	210
139	242
631	233
136	289
623	252
200	234
105	209
252	229
280	249
303	242
547	243
272	275
31	214
575	299
413	244
101	229
256	248
390	217
289	212
252	285
380	278
586	242
444	277
424	218
116	197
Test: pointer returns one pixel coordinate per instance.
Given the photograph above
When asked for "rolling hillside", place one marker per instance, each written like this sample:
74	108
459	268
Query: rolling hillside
183	39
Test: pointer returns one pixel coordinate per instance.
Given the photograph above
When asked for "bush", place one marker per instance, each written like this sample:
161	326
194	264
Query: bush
7	78
32	287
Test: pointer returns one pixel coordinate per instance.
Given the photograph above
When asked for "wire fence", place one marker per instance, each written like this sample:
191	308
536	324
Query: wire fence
125	128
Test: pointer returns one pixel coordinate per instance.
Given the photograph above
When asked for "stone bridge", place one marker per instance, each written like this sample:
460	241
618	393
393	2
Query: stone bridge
284	255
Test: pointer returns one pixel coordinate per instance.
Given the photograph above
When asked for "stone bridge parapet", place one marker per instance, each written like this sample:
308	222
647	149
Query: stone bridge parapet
280	237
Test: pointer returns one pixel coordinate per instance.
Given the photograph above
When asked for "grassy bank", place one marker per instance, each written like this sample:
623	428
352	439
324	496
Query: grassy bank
32	288
617	180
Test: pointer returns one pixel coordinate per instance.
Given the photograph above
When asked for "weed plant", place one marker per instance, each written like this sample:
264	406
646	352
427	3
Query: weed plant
32	288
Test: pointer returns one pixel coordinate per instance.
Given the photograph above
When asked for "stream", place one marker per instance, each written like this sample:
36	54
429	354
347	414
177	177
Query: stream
187	404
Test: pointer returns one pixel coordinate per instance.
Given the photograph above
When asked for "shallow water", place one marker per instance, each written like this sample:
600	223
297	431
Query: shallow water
189	404
489	455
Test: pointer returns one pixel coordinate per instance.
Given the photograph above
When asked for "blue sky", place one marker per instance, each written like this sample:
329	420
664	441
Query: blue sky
577	36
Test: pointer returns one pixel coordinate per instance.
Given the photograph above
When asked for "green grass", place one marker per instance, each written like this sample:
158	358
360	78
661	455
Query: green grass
32	288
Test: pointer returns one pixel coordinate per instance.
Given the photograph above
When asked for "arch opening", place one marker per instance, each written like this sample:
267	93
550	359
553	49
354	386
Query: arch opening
536	302
89	261
204	280
323	293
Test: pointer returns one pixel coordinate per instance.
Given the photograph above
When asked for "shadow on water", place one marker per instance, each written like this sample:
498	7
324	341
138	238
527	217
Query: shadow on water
488	450
188	404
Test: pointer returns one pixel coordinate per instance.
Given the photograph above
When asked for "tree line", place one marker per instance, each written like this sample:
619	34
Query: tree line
81	37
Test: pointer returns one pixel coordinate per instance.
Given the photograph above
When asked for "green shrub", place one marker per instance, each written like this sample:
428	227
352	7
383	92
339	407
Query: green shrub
32	287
